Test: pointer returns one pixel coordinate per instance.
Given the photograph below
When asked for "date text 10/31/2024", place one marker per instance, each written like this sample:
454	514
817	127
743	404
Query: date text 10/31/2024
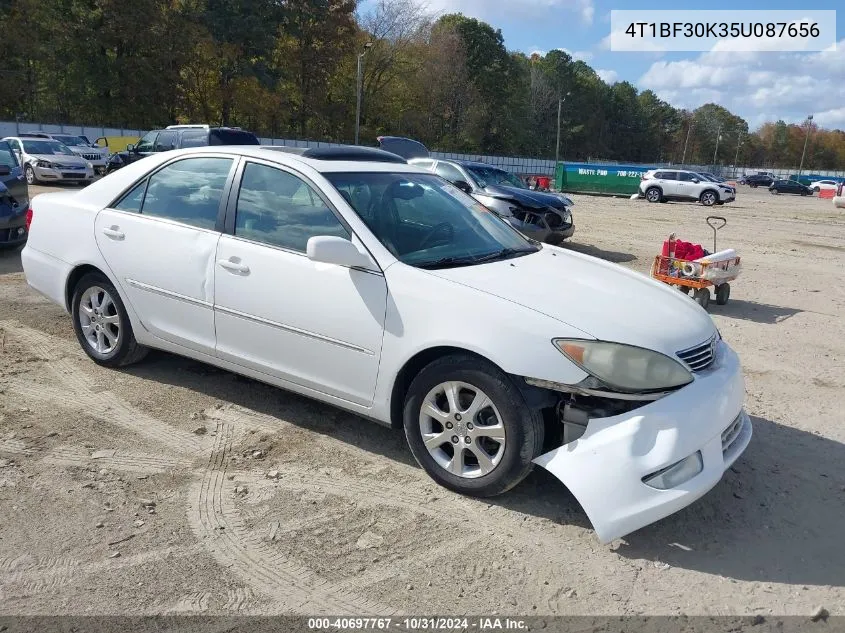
418	624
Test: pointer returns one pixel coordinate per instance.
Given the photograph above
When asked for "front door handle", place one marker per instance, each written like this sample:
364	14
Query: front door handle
114	232
233	266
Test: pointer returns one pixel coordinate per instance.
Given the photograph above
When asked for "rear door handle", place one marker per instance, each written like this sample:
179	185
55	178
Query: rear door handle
114	233
235	267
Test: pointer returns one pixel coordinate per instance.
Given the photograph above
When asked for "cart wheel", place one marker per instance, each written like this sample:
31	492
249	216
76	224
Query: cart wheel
702	297
683	289
723	293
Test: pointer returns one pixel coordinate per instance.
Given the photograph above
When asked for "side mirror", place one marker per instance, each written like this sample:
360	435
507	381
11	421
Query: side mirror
5	170
130	148
696	180
463	185
335	250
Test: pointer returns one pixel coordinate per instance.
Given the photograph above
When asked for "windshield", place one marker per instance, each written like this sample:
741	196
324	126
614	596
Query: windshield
69	140
491	176
427	222
46	147
707	177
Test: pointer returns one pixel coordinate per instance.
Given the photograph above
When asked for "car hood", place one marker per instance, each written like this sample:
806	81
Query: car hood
528	197
604	300
60	159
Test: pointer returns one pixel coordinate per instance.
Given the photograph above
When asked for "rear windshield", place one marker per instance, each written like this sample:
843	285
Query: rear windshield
232	137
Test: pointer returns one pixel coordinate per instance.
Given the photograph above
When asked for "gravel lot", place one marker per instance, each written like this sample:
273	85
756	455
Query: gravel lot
146	490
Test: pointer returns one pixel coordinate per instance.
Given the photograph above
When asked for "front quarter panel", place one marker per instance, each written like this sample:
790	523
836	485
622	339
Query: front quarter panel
425	311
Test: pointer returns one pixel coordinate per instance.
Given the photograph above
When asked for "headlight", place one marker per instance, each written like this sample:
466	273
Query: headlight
625	367
44	164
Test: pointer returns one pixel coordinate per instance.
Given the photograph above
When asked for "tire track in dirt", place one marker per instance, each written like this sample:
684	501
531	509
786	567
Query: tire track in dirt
26	575
129	461
73	389
239	599
215	519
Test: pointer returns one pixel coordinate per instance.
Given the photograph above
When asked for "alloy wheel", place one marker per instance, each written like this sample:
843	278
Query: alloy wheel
99	320
462	429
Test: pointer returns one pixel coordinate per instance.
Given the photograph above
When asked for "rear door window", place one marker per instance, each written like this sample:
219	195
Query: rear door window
165	141
187	191
7	156
232	137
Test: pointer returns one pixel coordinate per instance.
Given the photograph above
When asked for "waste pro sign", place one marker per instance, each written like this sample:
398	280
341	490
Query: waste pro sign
599	178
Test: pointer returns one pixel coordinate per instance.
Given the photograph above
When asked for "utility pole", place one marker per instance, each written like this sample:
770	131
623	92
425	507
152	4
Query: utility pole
359	87
718	138
557	143
684	157
806	139
738	144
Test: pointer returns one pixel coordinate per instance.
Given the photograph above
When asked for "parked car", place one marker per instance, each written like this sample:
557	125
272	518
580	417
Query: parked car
179	137
546	217
81	147
818	185
405	147
14	199
660	185
759	180
541	216
46	160
712	177
114	144
790	186
485	346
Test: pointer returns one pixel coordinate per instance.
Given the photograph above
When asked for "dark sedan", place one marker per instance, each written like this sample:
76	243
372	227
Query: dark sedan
790	186
14	199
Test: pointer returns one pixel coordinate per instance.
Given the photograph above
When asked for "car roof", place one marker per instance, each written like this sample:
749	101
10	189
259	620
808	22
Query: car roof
349	158
470	163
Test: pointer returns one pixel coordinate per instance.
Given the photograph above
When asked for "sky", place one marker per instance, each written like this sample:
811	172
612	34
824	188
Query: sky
759	87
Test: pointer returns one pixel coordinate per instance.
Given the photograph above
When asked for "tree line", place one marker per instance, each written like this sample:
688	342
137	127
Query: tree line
287	68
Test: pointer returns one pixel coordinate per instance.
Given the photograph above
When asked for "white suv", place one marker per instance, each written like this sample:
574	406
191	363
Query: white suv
659	185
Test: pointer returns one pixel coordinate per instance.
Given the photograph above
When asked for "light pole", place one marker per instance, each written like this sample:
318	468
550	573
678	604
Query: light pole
557	144
358	85
806	139
738	144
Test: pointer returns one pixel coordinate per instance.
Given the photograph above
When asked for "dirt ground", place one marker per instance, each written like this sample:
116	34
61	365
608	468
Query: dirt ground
146	490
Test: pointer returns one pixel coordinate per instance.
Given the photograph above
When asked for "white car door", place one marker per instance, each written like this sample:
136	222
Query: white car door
669	183
317	325
687	187
160	241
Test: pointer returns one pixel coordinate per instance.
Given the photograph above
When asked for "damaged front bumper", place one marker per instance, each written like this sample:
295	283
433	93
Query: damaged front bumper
693	435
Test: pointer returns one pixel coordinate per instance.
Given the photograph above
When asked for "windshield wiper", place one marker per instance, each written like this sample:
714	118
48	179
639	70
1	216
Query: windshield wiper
505	253
450	262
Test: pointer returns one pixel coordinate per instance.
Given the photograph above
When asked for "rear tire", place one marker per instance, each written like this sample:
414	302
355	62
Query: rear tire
723	293
102	325
469	426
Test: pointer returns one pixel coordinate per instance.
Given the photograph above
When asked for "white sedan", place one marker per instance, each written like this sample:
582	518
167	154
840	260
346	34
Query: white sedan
356	279
818	185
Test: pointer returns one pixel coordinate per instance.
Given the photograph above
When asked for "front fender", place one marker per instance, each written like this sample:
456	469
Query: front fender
425	311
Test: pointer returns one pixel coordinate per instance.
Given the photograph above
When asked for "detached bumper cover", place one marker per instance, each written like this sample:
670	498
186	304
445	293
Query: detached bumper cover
604	468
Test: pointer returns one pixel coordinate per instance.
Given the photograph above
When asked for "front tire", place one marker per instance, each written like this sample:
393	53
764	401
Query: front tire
708	198
29	173
469	427
102	325
653	194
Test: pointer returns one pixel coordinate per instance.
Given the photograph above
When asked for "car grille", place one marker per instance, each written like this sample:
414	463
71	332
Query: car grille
67	175
701	356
